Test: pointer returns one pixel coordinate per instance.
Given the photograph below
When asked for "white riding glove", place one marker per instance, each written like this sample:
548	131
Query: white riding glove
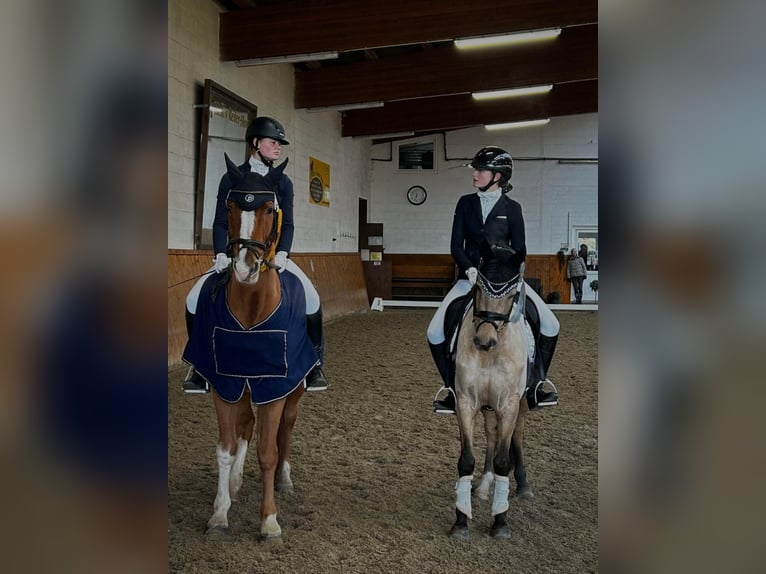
280	260
472	273
221	262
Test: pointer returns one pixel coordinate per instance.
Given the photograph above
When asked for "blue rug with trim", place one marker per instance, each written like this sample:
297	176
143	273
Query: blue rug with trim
272	358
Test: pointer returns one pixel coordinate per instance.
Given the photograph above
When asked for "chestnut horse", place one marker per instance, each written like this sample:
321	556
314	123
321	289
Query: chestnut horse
491	374
255	295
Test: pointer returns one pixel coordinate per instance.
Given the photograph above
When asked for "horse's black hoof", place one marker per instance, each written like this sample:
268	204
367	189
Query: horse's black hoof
217	531
459	532
500	532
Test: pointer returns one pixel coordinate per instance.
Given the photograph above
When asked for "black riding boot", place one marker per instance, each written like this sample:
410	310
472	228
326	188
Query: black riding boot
316	381
193	383
537	396
440	354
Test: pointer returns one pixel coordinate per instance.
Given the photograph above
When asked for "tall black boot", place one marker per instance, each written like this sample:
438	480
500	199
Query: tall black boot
440	353
537	396
193	384
316	380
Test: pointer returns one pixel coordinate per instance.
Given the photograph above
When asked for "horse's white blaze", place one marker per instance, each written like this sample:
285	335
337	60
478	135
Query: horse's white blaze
270	527
237	468
463	495
482	491
222	500
500	499
246	226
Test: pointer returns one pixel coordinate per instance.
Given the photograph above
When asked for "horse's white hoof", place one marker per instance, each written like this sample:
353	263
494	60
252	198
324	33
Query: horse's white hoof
270	528
501	532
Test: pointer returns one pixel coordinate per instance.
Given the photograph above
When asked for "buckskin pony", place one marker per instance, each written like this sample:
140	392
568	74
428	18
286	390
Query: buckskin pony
490	377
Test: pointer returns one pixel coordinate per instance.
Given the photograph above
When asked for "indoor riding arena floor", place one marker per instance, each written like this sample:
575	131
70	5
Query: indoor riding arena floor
374	469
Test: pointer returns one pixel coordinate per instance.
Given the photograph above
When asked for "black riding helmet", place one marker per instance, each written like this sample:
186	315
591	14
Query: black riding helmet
265	127
496	160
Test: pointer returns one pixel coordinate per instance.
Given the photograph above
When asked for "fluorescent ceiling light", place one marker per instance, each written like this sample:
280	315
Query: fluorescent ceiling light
288	59
525	124
346	107
502	39
528	91
381	136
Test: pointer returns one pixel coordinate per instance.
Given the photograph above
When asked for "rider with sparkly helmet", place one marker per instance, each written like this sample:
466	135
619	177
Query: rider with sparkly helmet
265	136
485	218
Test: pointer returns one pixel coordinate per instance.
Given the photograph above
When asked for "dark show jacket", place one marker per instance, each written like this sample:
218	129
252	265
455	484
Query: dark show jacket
505	224
284	193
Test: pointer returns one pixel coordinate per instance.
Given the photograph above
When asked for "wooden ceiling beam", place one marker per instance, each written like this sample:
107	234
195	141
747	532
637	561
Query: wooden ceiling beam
462	111
445	70
306	26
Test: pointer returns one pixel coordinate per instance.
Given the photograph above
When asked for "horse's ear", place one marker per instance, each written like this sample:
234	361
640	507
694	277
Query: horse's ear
235	176
280	169
276	173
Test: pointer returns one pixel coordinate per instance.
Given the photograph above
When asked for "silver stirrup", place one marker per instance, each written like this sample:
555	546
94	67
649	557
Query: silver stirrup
437	394
555	390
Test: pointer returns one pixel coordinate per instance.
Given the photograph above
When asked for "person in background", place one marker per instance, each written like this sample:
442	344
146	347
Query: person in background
265	136
576	273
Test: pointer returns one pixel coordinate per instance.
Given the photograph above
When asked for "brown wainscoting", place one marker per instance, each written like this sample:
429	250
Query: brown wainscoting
430	275
552	276
338	278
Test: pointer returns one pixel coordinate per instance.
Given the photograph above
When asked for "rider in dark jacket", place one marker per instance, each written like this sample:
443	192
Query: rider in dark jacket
485	218
266	136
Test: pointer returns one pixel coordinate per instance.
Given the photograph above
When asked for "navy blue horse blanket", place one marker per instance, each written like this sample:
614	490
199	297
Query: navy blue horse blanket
271	358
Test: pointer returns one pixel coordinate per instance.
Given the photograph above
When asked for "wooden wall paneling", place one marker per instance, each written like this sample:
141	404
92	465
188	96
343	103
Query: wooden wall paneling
459	111
446	70
302	27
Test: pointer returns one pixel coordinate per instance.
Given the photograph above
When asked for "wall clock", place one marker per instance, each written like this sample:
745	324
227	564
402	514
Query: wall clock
416	195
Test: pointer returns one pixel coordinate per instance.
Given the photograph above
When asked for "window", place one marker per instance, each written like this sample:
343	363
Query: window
589	238
417	156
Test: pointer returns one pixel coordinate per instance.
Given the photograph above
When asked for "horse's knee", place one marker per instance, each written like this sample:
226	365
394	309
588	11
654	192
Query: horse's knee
466	463
502	463
267	456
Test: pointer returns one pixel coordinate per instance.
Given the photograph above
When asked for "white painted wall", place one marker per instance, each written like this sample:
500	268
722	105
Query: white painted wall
554	197
192	57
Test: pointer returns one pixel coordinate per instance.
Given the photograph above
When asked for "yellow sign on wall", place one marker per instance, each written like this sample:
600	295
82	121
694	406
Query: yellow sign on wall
319	182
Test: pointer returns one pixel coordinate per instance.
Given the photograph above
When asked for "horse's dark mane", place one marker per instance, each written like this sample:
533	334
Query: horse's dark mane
497	271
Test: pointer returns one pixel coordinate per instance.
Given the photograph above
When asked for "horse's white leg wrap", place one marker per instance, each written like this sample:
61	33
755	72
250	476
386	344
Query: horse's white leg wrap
482	491
463	495
285	482
222	500
500	500
237	469
270	527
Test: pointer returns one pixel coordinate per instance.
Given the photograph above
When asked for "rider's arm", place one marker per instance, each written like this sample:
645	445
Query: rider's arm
286	199
517	234
457	243
221	218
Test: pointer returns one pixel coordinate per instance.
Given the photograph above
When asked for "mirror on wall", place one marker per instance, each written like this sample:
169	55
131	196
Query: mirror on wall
225	117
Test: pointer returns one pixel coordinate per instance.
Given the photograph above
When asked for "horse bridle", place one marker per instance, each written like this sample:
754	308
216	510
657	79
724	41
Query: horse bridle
254	246
495	291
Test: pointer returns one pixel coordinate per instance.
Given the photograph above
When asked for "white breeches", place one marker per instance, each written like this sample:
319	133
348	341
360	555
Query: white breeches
549	325
436	326
312	297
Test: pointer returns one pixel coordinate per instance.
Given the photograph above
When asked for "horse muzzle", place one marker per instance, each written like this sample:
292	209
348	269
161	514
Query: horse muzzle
485	345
